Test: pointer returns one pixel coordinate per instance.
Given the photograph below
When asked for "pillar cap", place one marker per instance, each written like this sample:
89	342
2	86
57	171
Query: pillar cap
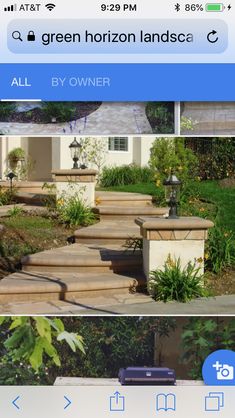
182	223
75	172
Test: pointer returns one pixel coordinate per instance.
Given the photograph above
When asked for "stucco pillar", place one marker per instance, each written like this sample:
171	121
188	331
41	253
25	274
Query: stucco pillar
182	238
72	181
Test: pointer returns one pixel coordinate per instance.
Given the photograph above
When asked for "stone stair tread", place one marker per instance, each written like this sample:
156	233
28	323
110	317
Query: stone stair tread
122	196
130	210
108	233
36	282
84	255
110	227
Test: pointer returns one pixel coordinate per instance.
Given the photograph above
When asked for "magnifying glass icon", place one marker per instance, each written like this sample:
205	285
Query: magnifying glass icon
17	36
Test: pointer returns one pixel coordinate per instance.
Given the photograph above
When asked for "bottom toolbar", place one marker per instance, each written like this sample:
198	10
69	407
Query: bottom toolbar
108	401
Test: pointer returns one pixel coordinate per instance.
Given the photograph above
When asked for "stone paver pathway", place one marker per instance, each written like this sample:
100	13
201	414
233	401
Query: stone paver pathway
109	119
137	304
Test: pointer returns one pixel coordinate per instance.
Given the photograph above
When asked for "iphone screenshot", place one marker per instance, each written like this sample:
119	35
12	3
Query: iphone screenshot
117	209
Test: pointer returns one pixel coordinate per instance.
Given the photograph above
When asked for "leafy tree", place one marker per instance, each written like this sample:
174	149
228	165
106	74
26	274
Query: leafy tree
31	339
94	152
171	154
111	343
114	343
203	336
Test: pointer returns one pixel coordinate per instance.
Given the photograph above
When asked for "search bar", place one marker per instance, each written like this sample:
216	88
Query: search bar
129	36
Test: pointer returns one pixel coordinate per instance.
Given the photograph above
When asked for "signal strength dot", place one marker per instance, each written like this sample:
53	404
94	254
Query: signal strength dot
50	6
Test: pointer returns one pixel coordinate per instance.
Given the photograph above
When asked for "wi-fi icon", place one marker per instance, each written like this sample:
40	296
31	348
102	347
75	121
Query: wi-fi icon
50	6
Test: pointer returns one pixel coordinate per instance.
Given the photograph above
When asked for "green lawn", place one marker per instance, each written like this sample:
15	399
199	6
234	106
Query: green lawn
223	198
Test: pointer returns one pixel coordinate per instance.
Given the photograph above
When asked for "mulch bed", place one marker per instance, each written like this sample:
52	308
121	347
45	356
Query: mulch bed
223	283
38	116
226	183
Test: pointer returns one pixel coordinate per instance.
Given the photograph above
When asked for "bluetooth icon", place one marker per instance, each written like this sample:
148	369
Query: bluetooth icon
177	7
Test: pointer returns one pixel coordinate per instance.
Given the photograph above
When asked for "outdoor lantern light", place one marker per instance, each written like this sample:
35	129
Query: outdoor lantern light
10	177
84	160
172	192
75	149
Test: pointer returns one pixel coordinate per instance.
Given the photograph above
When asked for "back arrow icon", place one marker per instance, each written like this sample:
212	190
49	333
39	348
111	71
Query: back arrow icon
68	402
14	403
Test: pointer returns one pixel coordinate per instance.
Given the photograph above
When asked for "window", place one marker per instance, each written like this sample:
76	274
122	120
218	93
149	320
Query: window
118	143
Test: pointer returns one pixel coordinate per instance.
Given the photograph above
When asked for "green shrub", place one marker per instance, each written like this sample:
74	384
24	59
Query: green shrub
216	157
13	373
6	109
124	175
203	336
161	117
115	342
171	154
15	155
220	252
7	196
62	111
73	211
176	283
15	211
49	199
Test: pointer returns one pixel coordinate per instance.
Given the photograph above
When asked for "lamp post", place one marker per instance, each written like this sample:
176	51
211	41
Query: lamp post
84	160
10	176
75	149
172	192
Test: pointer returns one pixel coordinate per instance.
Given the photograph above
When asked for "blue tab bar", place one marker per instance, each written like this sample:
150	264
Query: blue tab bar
118	82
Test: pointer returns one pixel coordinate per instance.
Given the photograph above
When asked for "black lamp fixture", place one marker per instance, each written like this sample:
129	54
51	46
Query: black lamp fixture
83	165
75	149
10	176
172	192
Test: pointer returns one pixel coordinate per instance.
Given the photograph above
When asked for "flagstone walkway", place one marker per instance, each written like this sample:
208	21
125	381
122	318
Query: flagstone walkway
109	119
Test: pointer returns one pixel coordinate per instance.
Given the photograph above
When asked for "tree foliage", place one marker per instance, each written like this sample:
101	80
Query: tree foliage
171	154
201	337
32	339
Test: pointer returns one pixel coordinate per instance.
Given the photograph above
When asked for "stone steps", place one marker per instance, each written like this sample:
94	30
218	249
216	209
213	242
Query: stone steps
31	199
128	213
25	186
211	118
216	125
99	263
115	199
108	233
208	105
84	259
36	286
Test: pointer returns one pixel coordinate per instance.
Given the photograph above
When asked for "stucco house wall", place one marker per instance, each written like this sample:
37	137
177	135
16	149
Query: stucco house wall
51	153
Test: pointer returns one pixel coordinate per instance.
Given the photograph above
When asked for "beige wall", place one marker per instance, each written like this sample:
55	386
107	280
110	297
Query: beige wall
115	158
40	152
146	145
50	153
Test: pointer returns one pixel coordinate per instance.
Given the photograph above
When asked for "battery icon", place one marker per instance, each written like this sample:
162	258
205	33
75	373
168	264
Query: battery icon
215	7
